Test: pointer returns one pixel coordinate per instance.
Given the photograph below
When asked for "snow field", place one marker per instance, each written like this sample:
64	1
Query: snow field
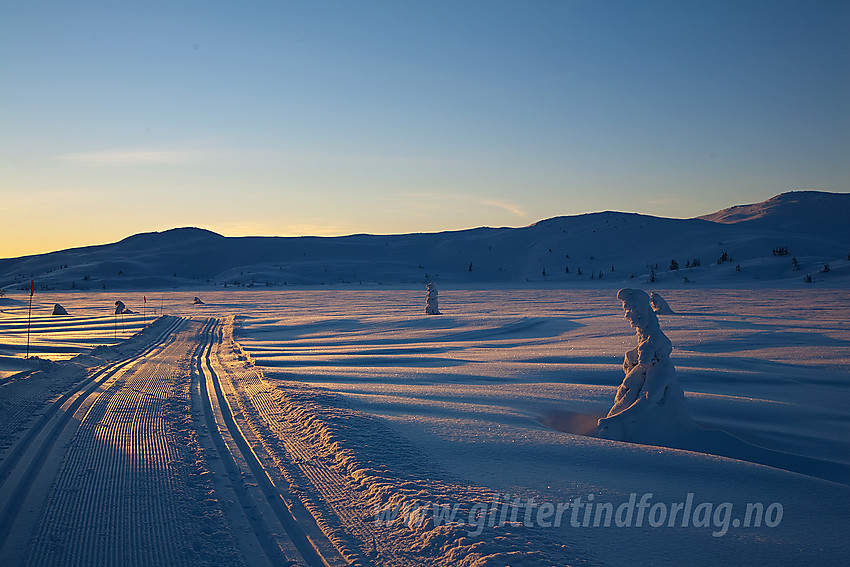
363	404
472	389
329	454
91	322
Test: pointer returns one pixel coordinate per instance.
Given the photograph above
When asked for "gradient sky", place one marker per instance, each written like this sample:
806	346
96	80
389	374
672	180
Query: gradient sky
327	118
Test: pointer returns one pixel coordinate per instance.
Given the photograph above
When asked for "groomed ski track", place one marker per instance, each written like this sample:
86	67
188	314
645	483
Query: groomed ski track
144	463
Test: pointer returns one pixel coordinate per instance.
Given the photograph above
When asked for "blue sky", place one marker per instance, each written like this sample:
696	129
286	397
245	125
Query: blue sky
327	118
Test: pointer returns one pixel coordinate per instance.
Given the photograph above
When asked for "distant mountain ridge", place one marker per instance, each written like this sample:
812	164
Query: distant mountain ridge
796	210
742	245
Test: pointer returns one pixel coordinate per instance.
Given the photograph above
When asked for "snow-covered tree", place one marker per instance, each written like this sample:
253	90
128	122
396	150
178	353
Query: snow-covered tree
649	404
659	306
120	308
431	307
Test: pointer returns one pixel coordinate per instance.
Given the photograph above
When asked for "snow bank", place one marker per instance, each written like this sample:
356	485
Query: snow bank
649	406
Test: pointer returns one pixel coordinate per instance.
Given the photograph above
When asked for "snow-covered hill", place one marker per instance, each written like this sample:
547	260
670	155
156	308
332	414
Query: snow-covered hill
797	211
741	246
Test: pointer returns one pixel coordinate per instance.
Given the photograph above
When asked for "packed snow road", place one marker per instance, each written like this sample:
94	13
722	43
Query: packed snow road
141	462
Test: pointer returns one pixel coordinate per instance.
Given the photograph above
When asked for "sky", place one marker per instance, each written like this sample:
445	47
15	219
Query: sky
326	118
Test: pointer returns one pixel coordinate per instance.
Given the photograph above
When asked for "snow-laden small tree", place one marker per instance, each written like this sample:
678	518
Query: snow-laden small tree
649	404
659	305
431	307
120	308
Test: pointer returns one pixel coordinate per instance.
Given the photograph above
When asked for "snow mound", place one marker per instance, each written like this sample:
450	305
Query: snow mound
649	406
431	307
659	305
59	310
197	301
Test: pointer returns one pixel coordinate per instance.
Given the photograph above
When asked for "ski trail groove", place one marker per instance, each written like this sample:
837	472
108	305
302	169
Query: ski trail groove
216	401
209	403
297	460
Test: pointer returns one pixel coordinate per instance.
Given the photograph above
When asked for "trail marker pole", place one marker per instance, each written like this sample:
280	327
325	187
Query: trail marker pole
29	317
145	310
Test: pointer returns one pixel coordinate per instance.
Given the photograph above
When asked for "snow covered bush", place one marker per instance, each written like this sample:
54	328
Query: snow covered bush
121	309
659	305
649	406
431	307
